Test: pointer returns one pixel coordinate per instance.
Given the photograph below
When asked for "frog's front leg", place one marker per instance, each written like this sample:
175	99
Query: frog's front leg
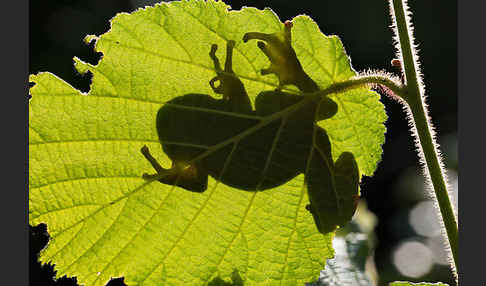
230	86
189	177
283	59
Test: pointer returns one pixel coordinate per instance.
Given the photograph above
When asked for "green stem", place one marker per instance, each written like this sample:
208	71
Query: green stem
364	81
414	99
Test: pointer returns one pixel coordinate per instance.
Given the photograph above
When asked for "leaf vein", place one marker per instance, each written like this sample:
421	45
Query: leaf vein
179	238
94	140
97	241
63	208
138	232
130	32
104	206
292	232
259	80
51	240
177	41
324	69
37	132
210	29
353	125
270	155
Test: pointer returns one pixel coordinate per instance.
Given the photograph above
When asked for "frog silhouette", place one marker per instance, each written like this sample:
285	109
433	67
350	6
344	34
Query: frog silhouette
205	136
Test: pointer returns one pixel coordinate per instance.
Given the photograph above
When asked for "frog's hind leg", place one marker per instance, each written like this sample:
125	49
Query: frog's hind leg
189	177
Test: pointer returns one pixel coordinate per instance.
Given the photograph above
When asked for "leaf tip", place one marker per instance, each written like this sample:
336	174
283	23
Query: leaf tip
80	66
89	38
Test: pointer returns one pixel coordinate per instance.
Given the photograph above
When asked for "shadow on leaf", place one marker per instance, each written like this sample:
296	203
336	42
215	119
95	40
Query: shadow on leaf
236	280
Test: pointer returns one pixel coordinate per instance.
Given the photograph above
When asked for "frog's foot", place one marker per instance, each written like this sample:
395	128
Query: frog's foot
217	67
182	175
229	84
161	172
283	60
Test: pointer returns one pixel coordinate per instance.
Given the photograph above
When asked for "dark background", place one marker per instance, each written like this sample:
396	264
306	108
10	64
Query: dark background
57	28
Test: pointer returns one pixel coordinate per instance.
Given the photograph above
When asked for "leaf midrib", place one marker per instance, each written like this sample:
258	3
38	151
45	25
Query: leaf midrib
266	121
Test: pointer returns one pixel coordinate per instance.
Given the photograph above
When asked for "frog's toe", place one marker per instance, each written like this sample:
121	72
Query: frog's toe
264	47
217	89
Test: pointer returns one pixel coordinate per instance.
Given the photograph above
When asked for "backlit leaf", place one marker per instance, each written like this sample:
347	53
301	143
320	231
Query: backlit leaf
85	165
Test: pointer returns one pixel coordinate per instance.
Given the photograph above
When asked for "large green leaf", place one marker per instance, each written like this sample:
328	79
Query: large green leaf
85	166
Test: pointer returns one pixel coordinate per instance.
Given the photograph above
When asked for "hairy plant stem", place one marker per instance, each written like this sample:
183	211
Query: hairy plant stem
414	98
364	81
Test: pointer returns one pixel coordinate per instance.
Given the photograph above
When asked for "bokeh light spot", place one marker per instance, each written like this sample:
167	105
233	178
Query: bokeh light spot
423	219
412	259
